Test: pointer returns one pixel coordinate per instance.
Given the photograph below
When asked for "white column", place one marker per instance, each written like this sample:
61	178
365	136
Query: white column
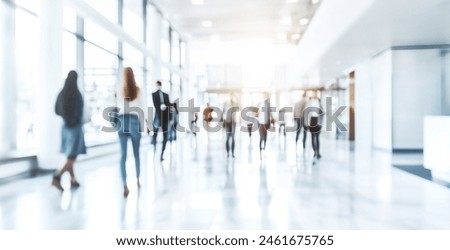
8	80
48	125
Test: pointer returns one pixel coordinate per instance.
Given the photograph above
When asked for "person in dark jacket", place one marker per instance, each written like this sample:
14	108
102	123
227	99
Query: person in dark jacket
69	105
161	103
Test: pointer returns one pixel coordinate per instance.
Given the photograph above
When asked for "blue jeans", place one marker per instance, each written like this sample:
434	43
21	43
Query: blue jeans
129	129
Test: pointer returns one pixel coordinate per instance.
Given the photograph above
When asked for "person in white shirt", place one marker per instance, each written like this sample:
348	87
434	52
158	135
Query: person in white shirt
131	117
264	120
298	117
313	122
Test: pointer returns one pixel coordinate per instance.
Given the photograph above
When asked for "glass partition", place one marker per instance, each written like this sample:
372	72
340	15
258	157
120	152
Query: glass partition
27	65
108	8
175	48
133	21
98	35
99	91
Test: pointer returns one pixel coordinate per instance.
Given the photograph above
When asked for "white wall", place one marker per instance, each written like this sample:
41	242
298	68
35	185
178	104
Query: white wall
382	100
416	93
363	106
8	79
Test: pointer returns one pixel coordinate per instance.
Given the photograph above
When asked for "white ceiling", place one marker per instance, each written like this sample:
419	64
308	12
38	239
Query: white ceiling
241	19
339	37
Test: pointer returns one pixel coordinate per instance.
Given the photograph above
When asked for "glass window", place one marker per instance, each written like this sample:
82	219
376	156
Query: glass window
134	58
70	19
69	53
149	79
108	8
133	55
99	91
151	14
175	48
165	42
133	21
182	53
98	35
176	83
165	78
31	5
27	64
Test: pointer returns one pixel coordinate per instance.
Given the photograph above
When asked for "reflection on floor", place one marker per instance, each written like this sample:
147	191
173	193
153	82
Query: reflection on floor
198	187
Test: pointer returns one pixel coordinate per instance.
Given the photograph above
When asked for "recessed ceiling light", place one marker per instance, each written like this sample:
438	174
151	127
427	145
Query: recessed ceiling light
207	24
304	21
197	2
338	62
295	36
286	21
281	36
314	1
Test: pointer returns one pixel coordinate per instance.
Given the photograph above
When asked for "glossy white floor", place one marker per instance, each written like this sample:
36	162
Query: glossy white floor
198	187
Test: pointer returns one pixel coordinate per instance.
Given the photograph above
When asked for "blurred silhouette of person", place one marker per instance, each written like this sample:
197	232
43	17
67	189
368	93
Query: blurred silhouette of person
131	96
161	103
207	114
313	115
264	120
250	114
69	105
173	122
194	123
229	123
298	117
282	121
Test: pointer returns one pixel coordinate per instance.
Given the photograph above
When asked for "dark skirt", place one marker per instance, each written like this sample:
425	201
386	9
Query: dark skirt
313	126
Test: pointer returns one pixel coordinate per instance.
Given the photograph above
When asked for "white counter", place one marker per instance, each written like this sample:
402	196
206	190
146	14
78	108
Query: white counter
436	146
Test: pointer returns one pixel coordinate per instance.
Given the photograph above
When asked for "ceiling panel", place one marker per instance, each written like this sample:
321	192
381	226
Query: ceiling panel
239	18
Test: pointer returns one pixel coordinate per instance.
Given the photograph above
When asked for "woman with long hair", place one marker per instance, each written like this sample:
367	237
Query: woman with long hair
69	105
130	124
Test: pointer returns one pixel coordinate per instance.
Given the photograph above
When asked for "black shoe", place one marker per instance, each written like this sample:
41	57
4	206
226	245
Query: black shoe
74	184
56	182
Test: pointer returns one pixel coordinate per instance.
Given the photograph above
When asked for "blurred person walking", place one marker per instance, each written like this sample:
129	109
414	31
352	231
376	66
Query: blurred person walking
229	123
130	124
161	103
298	118
173	122
264	119
69	105
313	122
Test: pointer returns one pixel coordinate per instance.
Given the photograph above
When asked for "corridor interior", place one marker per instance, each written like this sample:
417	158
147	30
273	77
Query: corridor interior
198	187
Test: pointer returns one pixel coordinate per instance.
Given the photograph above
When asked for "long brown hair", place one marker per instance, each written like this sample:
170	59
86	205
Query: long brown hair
130	89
